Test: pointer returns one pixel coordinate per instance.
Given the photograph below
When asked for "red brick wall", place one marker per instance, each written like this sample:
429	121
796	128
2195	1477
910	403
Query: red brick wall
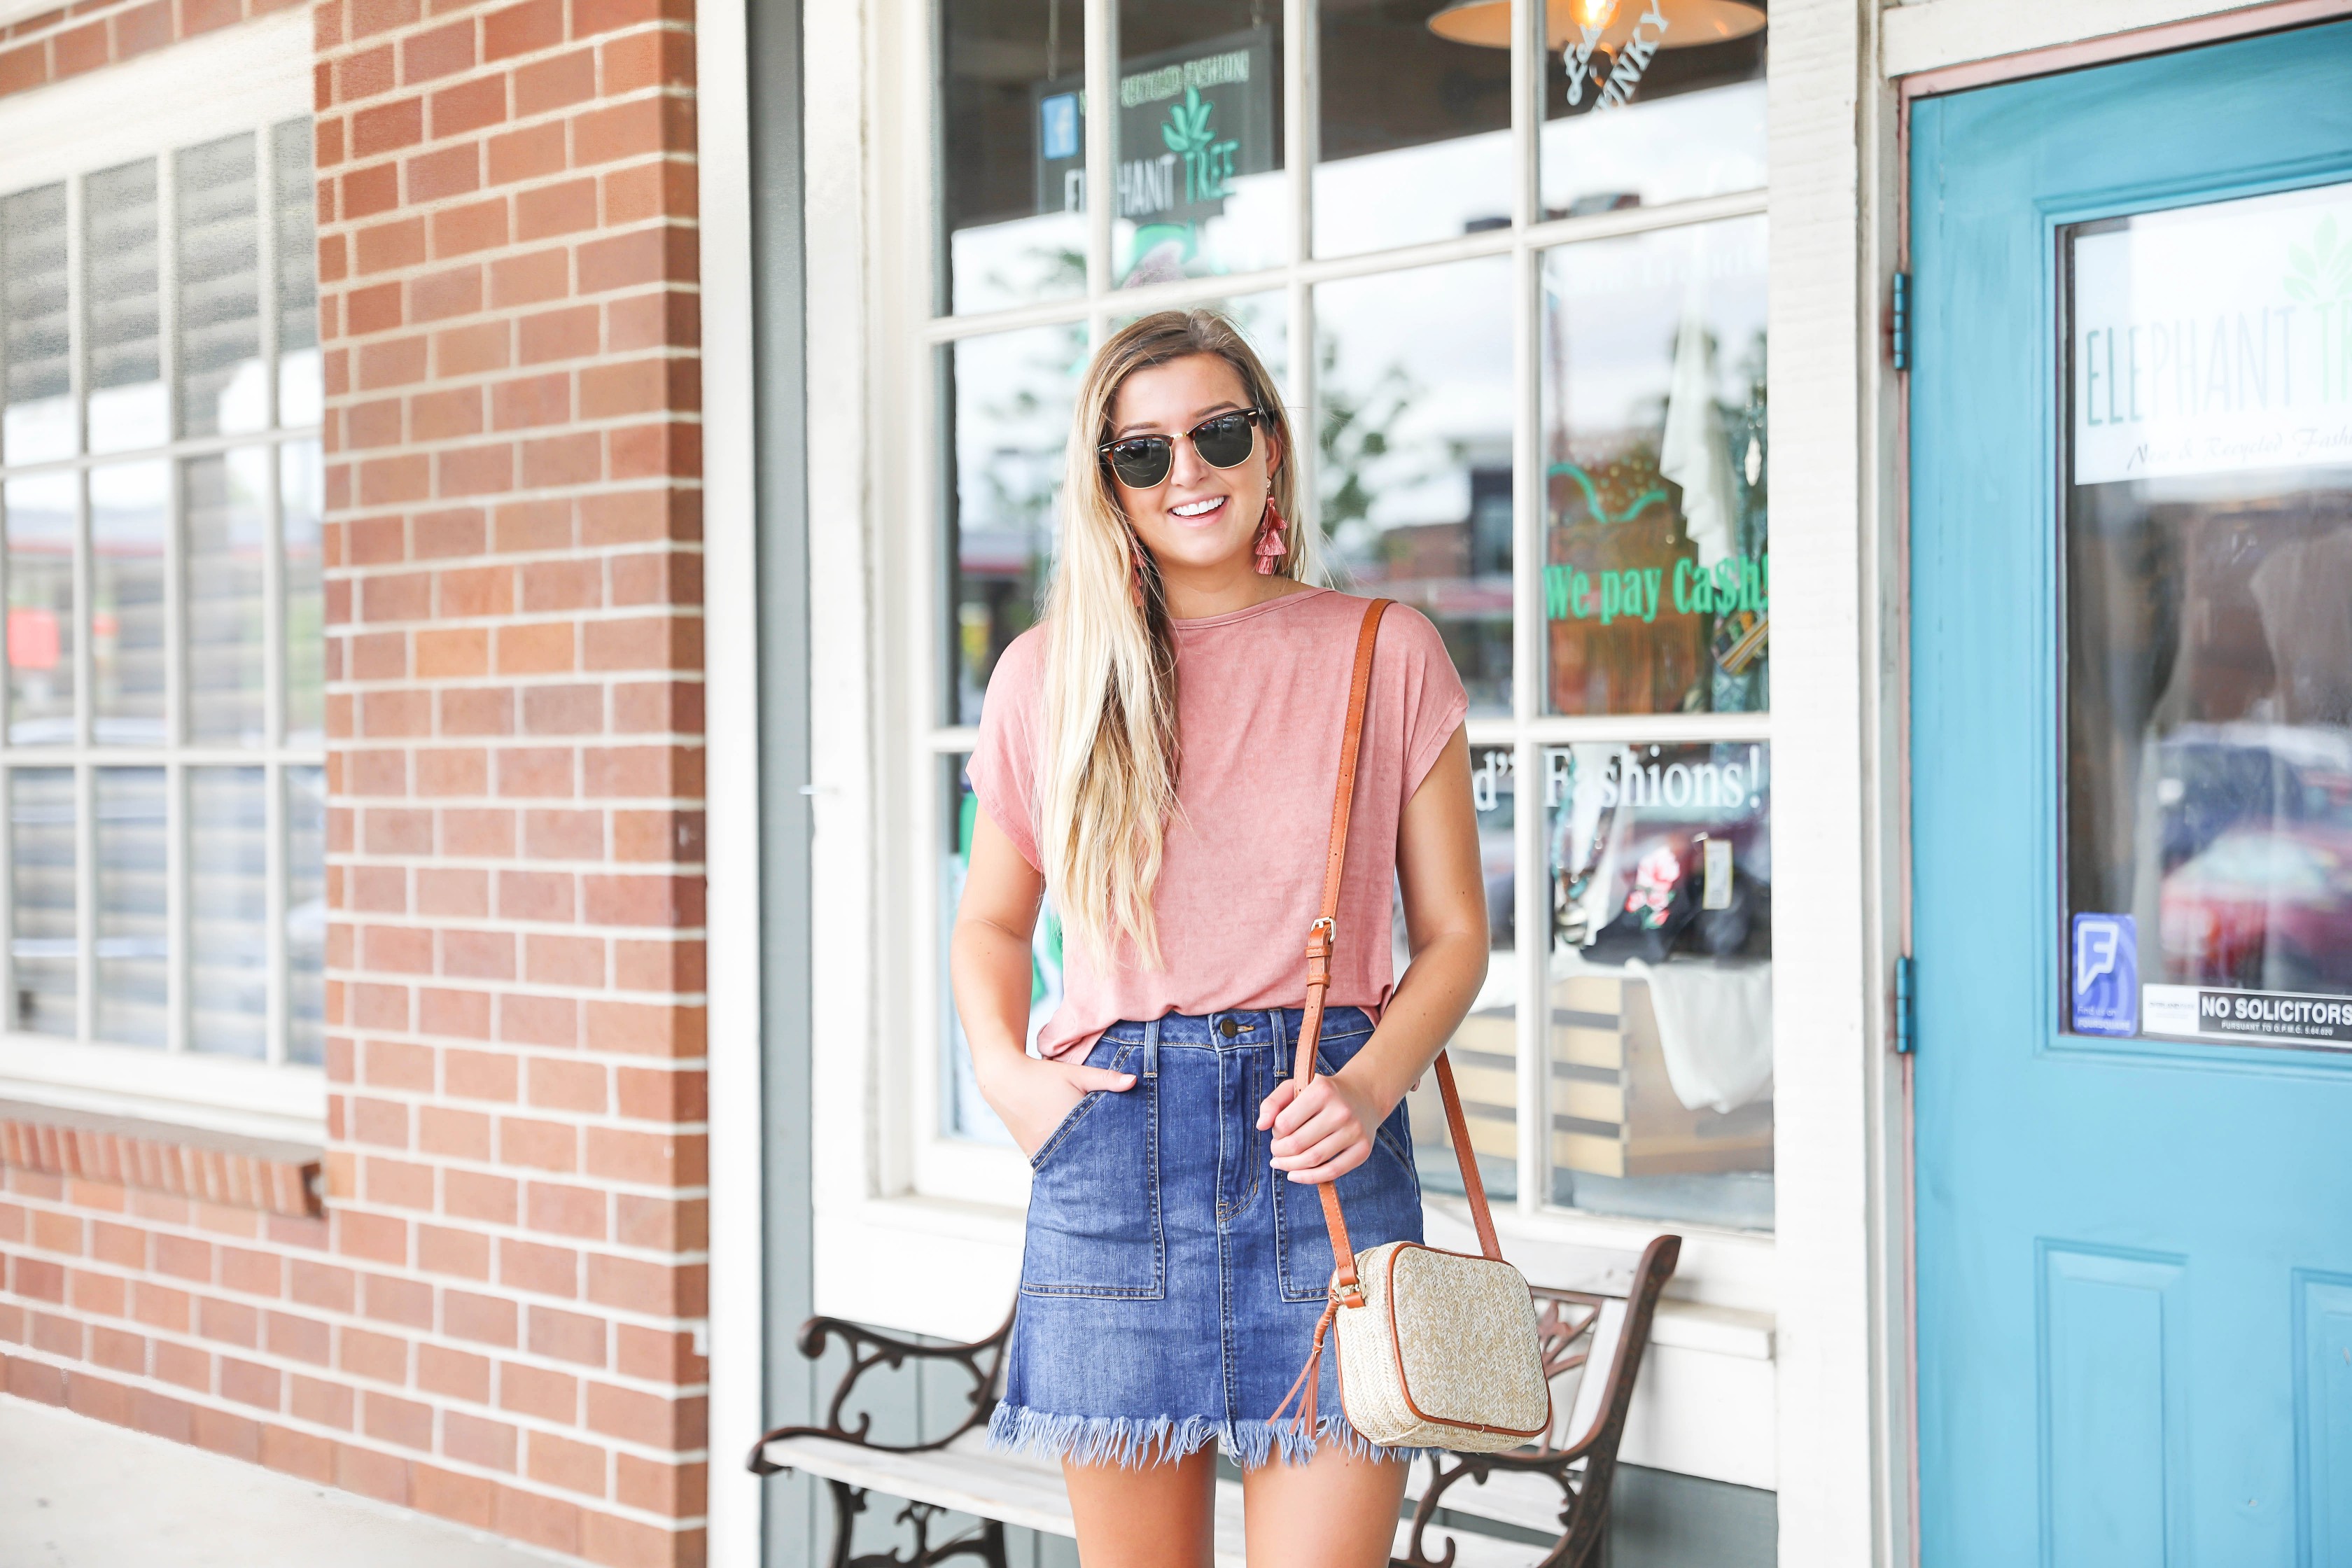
494	1320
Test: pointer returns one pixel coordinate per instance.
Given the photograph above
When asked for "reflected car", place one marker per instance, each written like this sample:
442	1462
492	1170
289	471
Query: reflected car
2264	907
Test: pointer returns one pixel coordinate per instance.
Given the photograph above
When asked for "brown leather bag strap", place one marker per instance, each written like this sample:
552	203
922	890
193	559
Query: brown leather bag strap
1320	939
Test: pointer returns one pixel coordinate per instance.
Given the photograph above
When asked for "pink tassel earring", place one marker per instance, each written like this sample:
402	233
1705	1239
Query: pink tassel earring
1270	547
1135	573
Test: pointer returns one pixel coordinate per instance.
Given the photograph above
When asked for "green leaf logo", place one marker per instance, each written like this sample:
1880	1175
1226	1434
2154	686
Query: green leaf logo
2321	272
1187	130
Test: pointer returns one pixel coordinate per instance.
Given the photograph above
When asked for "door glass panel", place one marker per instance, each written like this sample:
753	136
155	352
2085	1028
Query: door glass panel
1198	142
1657	567
1414	389
1008	403
1660	1067
1651	103
1485	1050
1415	142
1012	173
2207	637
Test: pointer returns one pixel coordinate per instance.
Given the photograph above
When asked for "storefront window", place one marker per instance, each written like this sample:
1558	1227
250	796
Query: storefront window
1657	566
1008	409
2208	644
1656	103
1414	418
1012	152
1415	131
1198	141
1551	442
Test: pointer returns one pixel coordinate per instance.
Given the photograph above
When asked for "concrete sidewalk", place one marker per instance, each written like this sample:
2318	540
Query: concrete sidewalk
78	1493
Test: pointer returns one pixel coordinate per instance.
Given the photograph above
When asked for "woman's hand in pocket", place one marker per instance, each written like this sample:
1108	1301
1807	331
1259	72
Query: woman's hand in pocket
1032	1095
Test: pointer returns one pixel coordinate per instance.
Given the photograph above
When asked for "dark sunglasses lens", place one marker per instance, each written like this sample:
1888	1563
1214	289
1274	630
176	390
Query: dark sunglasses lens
1141	465
1224	441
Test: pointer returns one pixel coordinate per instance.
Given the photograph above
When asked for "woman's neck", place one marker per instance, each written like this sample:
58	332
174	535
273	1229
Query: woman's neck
1196	593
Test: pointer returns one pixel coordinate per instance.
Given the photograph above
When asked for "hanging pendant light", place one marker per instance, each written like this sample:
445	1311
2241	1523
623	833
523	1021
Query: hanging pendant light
1488	23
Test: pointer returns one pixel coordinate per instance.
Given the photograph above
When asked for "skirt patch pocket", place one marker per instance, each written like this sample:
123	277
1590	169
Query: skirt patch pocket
1094	1194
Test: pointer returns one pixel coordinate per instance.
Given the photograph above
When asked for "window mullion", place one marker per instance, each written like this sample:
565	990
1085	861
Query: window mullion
1531	950
1101	151
1299	156
1531	914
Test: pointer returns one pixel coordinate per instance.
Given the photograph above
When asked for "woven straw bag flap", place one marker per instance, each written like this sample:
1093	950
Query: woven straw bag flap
1444	1352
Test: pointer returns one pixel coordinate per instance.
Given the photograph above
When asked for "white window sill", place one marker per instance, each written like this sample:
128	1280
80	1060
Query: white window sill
219	1094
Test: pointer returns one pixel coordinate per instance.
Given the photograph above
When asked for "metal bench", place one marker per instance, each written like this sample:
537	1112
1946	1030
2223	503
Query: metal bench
1593	1342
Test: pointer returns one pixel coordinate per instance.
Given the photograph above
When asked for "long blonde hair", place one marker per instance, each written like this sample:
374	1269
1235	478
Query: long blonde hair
1108	773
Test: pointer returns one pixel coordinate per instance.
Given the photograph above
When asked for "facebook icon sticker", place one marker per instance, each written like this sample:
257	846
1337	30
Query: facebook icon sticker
2106	975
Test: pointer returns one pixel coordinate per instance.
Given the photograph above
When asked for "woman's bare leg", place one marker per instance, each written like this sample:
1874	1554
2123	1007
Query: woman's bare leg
1151	1515
1340	1511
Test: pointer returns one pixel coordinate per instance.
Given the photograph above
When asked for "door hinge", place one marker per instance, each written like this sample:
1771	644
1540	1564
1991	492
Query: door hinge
1901	332
1907	1010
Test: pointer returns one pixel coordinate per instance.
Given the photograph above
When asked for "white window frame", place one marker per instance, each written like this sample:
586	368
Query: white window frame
900	1208
250	77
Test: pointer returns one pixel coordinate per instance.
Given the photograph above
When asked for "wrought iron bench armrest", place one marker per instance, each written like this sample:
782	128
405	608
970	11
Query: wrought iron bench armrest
869	1349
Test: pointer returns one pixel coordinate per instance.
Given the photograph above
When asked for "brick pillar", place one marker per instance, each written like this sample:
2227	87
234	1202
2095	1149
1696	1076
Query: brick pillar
514	965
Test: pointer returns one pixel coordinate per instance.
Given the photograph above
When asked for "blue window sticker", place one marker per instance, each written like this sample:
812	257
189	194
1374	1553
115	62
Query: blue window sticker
2106	975
1058	128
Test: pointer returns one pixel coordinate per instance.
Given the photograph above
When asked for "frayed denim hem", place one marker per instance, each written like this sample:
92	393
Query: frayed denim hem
1129	1442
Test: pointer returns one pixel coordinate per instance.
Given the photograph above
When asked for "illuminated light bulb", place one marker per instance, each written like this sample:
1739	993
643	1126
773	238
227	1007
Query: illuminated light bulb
1591	13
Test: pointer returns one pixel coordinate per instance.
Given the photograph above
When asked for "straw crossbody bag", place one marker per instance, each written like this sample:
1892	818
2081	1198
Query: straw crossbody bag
1436	1349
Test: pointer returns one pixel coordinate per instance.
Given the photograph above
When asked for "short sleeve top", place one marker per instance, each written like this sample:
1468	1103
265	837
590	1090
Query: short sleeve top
1262	698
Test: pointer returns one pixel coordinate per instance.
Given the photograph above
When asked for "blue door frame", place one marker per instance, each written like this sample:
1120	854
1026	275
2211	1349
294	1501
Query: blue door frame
2134	1258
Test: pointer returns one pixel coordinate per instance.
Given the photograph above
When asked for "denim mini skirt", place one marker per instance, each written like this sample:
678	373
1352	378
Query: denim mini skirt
1172	1277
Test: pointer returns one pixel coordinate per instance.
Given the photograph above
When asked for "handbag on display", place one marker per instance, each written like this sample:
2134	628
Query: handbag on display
1435	1349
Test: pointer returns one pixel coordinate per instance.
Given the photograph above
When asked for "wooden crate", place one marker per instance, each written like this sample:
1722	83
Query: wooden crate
1613	1111
1485	1057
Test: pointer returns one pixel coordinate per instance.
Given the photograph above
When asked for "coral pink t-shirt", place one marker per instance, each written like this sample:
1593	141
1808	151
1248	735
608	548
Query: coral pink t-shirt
1261	699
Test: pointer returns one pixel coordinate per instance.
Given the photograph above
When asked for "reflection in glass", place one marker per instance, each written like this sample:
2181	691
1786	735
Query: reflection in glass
40	533
1009	406
229	912
294	210
133	946
217	273
1485	1050
1415	424
1657	570
122	305
1679	114
36	415
300	506
2207	595
962	1112
306	914
1198	142
44	946
130	517
1661	977
1012	175
227	537
1415	139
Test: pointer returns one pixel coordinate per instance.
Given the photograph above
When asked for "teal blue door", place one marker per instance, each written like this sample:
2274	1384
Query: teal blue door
2131	747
